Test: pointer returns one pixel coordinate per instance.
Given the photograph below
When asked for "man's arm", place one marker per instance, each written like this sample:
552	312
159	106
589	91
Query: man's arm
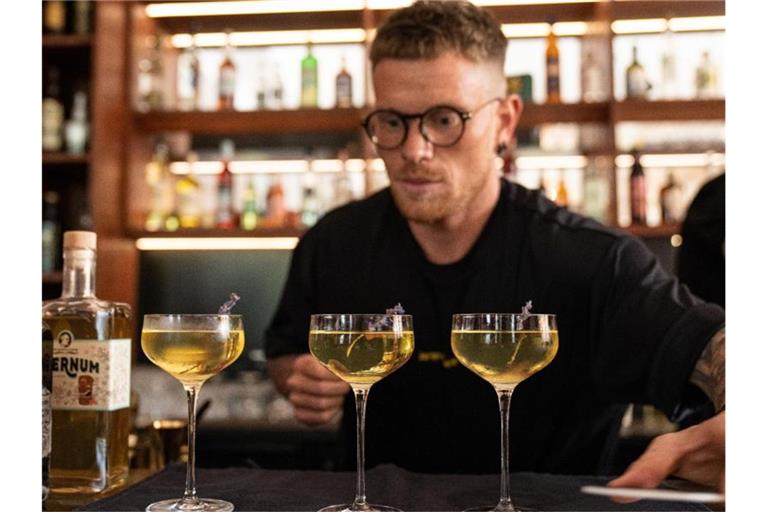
709	373
698	452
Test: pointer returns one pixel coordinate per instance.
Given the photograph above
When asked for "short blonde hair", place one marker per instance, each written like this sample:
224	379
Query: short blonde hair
429	28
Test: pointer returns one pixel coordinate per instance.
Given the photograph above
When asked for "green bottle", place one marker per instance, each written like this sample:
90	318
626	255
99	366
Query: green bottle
309	80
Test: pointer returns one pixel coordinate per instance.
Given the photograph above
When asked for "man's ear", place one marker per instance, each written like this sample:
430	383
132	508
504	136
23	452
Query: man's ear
510	110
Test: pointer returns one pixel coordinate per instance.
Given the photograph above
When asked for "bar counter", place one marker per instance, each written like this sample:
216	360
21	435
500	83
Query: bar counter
251	489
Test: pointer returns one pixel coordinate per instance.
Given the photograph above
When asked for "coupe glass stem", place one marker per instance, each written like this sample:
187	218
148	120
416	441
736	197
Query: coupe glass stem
190	492
505	397
361	396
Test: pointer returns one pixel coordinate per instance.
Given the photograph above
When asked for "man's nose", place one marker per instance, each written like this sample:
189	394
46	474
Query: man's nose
416	147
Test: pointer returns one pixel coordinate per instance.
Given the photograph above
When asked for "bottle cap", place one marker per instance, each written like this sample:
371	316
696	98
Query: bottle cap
80	240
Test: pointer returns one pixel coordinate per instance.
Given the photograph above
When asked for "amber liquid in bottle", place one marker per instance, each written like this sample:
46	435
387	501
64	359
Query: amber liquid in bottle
553	68
91	378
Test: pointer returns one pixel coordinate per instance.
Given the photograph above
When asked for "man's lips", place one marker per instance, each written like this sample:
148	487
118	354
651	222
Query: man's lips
415	184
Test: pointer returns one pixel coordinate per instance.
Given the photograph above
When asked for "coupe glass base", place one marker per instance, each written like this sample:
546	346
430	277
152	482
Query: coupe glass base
368	507
203	505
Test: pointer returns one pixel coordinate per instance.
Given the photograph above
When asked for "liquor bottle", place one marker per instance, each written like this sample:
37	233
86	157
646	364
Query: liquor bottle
81	22
343	86
274	88
561	198
553	66
669	200
150	77
225	211
51	231
91	377
592	89
309	79
276	213
260	86
47	413
156	178
189	78
53	113
637	82
596	193
668	67
227	73
188	196
76	129
249	217
706	77
54	17
637	191
310	203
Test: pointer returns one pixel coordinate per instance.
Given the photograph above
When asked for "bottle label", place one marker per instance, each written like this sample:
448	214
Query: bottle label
92	375
553	74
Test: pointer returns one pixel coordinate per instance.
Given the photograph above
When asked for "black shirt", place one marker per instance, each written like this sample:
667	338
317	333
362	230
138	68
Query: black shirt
628	331
701	260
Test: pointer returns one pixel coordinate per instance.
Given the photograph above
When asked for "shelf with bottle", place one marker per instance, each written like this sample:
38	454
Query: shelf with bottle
302	120
667	110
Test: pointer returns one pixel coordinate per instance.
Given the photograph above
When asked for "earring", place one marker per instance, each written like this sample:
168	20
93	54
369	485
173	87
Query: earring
501	148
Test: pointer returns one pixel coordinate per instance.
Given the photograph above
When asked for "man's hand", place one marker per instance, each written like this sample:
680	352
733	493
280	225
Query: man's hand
696	454
316	394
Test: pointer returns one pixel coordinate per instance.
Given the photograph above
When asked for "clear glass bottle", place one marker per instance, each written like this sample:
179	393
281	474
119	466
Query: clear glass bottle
151	78
227	77
91	369
76	129
157	180
706	78
226	217
343	86
188	87
188	196
668	88
53	113
596	193
637	81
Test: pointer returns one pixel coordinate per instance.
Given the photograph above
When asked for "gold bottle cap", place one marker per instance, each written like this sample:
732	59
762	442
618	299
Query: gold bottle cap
80	240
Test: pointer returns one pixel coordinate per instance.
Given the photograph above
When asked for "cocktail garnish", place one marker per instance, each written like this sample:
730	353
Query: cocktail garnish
382	323
524	314
227	306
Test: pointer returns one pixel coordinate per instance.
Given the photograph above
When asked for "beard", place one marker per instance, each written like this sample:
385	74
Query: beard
440	201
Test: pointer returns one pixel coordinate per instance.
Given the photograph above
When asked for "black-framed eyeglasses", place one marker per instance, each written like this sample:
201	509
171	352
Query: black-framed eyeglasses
441	125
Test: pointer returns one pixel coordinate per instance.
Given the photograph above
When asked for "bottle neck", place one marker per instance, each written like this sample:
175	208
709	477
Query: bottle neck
79	275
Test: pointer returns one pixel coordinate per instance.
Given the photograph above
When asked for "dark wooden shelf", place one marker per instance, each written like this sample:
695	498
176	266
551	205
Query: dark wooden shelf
682	110
272	21
665	9
66	41
252	122
537	113
52	278
265	232
61	158
661	231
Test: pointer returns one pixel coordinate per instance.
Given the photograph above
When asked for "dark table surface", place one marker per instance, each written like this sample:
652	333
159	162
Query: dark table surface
270	490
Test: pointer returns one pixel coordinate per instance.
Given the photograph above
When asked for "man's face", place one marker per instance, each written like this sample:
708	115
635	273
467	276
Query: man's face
431	183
